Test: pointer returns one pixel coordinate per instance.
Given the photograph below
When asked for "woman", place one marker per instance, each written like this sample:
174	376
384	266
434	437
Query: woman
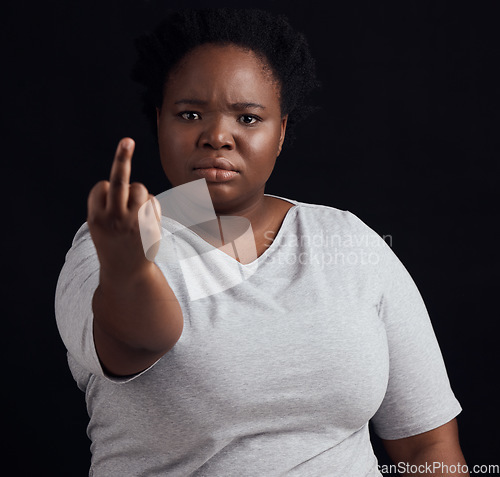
280	373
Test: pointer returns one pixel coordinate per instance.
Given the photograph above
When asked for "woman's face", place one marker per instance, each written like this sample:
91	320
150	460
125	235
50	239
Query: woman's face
221	102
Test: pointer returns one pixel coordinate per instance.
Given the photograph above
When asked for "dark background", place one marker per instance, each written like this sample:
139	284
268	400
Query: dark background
407	139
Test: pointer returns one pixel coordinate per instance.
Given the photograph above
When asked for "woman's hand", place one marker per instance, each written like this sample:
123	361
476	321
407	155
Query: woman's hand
115	208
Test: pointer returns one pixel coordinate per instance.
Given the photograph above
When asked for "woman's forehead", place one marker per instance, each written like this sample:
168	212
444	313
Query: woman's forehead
215	71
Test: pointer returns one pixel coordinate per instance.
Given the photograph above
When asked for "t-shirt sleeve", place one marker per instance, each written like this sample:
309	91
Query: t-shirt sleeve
78	280
419	397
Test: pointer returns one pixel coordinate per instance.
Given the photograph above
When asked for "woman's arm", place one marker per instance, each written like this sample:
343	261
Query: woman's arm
435	452
137	317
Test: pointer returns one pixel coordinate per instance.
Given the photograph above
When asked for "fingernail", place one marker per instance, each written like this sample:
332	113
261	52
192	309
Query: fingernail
126	144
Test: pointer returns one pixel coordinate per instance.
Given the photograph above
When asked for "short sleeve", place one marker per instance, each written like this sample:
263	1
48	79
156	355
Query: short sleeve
419	397
77	282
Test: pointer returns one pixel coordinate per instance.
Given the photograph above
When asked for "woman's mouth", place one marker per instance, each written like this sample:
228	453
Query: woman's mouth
214	174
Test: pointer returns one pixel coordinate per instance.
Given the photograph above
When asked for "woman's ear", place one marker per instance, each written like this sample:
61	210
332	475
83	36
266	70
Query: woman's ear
284	120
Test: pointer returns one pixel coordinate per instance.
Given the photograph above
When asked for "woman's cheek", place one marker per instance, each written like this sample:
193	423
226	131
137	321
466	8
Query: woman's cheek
175	140
264	142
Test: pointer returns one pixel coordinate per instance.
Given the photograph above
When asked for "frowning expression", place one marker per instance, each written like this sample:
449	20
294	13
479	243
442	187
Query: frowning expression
221	103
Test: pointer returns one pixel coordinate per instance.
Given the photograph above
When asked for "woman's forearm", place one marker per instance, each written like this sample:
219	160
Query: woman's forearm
439	459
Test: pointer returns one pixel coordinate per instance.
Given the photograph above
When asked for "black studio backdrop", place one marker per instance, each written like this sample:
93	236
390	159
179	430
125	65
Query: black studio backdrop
406	138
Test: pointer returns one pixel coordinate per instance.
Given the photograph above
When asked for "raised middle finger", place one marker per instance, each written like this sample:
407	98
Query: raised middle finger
119	179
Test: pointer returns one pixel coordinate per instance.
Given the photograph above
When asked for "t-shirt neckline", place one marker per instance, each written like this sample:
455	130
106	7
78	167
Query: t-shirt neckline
271	247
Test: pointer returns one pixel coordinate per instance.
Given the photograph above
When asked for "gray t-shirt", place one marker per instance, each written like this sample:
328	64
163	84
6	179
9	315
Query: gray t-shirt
281	364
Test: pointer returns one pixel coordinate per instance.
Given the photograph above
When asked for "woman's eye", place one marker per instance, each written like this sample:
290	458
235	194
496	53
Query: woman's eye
249	119
189	115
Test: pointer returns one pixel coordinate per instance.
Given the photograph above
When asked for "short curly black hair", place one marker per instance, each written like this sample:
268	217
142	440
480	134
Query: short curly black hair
267	34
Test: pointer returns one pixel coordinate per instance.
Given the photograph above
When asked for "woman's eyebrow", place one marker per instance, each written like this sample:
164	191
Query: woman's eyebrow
235	106
245	105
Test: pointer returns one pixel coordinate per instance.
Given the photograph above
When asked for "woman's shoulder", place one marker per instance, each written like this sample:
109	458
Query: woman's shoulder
328	216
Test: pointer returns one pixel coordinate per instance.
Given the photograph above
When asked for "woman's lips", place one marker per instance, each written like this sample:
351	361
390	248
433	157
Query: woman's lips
213	174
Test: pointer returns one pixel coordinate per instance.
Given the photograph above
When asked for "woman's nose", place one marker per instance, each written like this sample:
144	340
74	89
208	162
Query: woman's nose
217	134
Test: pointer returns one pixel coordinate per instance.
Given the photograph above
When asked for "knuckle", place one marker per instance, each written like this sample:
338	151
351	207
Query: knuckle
99	187
117	215
114	223
120	225
138	194
122	156
139	187
118	182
